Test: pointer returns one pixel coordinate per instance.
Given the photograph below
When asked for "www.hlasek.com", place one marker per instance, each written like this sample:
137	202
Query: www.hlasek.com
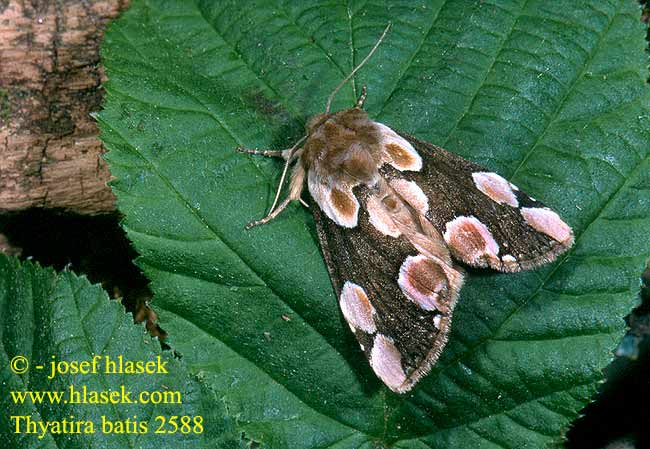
77	393
81	394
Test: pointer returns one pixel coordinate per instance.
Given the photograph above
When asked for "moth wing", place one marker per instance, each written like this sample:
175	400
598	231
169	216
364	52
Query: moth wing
485	220
402	337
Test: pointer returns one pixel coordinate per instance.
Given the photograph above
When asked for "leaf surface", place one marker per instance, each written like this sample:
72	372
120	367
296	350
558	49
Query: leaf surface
48	317
549	94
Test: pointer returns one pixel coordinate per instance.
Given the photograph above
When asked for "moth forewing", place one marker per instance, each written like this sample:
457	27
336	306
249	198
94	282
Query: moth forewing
486	221
401	300
393	213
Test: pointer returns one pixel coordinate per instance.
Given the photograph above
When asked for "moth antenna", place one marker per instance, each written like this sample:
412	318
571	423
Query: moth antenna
356	69
362	98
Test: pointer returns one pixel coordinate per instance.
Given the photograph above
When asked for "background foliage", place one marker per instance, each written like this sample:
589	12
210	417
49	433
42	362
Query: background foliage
551	95
48	317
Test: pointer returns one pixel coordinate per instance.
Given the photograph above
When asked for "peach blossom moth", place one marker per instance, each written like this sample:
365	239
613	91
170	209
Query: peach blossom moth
413	210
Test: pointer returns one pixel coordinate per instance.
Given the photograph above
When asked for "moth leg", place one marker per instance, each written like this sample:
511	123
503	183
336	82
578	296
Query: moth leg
283	205
288	154
295	153
295	188
284	154
362	98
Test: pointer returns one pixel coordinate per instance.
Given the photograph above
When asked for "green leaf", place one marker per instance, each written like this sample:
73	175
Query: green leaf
48	317
549	94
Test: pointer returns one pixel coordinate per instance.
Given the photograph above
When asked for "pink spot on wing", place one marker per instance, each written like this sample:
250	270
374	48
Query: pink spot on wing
509	262
423	281
380	218
398	151
386	362
339	204
344	203
471	241
357	309
495	187
548	222
412	193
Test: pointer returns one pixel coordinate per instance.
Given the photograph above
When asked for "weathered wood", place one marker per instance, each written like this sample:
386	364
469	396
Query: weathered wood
50	82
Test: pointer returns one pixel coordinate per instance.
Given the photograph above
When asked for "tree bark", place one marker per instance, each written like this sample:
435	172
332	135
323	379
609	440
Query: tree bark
50	83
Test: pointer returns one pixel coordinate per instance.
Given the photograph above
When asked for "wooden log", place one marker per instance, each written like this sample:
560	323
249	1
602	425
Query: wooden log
50	82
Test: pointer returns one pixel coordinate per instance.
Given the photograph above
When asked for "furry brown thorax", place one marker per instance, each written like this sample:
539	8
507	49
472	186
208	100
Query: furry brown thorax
345	146
347	149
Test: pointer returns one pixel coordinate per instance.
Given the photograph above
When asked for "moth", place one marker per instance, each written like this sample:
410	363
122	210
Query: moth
395	216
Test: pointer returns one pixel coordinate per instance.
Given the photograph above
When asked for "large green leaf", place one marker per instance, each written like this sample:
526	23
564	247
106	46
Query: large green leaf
46	317
549	94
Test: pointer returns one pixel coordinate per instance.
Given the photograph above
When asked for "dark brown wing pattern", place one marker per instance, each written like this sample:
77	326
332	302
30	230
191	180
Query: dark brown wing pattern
391	211
363	257
527	233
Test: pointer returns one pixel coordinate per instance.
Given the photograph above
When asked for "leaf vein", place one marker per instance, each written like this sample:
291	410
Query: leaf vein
555	114
409	62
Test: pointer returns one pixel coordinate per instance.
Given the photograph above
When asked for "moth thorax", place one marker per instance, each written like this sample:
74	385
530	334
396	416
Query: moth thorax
345	145
358	164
